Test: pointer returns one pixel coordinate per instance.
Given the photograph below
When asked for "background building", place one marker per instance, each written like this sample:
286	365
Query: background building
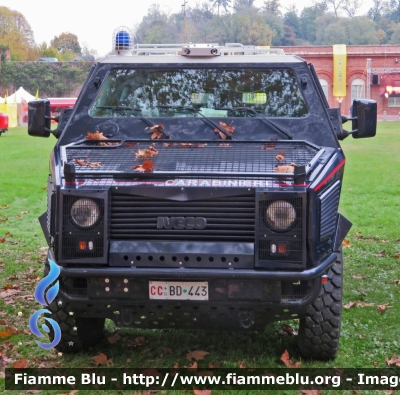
373	71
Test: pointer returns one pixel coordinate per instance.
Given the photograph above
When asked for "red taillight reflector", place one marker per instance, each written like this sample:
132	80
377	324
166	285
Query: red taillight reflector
330	175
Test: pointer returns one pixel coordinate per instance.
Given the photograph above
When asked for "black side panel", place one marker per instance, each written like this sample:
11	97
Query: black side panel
343	226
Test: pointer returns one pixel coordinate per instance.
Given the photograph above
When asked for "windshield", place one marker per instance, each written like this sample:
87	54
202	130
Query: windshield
212	92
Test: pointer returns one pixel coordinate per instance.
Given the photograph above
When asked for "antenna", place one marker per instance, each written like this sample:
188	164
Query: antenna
184	22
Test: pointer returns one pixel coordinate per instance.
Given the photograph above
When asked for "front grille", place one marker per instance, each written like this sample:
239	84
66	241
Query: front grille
278	245
329	203
228	218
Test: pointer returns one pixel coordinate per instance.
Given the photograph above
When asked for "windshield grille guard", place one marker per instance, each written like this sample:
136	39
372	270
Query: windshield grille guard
203	158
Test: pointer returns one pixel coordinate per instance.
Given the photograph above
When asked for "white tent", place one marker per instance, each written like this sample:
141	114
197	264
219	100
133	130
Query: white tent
19	96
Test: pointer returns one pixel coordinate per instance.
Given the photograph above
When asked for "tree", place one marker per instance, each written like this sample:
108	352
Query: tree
351	7
221	3
394	7
289	36
336	5
395	39
254	31
375	12
275	24
272	7
66	41
240	4
307	21
291	19
16	33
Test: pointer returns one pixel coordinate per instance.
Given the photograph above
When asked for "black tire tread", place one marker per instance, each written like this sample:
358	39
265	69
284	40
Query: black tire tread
319	329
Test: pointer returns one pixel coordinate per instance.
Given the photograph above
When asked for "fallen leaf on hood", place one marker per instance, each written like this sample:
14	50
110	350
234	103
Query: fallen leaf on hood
229	128
224	144
156	135
288	362
146	167
146	153
280	157
268	146
284	169
96	136
198	355
95	164
81	162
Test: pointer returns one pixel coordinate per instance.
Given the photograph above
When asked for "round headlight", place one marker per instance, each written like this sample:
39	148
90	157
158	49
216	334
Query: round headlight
85	213
280	215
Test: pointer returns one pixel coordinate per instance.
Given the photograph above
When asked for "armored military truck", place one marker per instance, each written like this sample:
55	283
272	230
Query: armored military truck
197	186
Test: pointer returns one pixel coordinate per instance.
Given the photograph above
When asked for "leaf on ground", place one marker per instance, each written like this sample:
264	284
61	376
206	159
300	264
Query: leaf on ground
397	281
113	338
396	255
383	307
150	372
198	355
201	392
101	359
381	254
310	392
346	243
3	219
20	364
356	304
146	153
81	162
146	167
288	329
241	365
394	361
375	363
214	366
137	341
285	358
2	239
8	331
193	366
4	206
359	277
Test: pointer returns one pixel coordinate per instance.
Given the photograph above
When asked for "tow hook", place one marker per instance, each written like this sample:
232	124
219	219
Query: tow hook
246	318
126	317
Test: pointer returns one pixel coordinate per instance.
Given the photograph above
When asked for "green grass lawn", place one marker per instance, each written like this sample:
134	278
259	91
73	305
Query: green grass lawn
370	199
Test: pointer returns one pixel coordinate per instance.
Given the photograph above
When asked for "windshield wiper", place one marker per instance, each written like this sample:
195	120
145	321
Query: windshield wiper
205	119
265	119
141	117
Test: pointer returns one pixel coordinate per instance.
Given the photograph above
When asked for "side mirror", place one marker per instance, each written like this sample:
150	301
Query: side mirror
39	118
364	115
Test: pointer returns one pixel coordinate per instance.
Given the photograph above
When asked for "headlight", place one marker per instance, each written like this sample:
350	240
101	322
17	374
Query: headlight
85	213
280	215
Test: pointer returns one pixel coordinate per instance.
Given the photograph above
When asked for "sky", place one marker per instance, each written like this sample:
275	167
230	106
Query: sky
95	21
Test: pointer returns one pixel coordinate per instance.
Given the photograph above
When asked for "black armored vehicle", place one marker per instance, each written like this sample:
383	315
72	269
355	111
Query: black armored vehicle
197	186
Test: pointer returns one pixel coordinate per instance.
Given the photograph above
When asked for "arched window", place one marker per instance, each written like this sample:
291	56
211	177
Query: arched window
324	84
357	89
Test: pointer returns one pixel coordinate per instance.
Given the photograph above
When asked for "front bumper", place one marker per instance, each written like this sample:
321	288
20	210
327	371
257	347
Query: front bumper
235	295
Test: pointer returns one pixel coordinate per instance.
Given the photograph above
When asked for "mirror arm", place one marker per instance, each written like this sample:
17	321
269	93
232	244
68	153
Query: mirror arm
345	119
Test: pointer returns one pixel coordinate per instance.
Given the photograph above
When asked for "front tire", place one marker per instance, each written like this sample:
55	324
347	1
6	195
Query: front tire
77	333
319	329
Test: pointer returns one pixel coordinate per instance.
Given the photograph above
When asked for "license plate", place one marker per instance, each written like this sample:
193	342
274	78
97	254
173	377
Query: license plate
178	290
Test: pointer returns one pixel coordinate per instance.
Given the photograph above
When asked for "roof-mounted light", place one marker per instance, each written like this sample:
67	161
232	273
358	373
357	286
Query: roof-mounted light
201	50
122	39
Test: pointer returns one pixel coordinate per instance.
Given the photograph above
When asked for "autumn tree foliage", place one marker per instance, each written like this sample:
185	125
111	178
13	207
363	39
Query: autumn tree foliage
16	33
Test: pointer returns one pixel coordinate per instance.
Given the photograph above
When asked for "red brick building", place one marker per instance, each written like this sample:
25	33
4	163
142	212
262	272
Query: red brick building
371	69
